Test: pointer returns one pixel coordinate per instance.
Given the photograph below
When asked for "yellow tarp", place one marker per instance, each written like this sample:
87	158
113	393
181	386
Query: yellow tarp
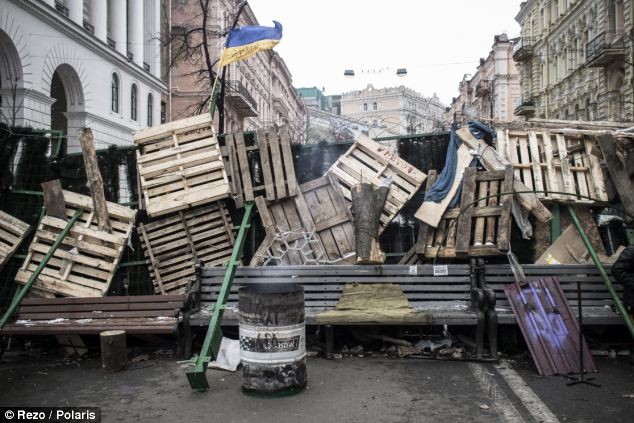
373	303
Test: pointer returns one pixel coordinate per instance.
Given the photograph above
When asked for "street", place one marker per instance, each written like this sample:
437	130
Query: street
348	390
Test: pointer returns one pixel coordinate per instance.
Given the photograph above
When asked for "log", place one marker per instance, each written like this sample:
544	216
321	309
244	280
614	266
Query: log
491	160
114	353
618	173
54	199
367	206
95	182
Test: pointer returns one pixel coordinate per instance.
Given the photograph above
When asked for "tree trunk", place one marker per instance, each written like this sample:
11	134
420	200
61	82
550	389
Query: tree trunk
367	206
114	354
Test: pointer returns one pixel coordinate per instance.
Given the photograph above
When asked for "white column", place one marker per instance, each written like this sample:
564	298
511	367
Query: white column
99	18
117	18
76	11
135	30
152	13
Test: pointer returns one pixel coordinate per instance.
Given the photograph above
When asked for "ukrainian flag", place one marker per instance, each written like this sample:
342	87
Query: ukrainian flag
246	41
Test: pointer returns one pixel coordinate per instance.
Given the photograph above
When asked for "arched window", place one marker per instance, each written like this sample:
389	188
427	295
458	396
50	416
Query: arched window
365	107
115	93
133	102
150	110
374	106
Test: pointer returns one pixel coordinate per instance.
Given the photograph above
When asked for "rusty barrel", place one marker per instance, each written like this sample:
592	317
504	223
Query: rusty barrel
272	338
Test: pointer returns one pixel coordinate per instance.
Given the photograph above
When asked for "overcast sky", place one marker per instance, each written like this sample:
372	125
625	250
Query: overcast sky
438	41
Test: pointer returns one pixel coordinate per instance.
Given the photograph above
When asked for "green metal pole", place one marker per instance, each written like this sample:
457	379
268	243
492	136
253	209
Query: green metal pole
604	275
209	350
25	289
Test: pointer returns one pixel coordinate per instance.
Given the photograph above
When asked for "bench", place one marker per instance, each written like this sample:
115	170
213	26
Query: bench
595	297
143	314
447	298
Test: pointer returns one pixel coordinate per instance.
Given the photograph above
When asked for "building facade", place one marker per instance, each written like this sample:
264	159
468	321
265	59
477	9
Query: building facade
69	64
393	111
492	93
576	59
259	90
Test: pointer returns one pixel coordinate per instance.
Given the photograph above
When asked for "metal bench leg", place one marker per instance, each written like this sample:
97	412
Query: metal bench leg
330	341
480	329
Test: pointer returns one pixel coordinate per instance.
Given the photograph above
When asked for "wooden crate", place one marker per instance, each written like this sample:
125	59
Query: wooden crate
12	233
87	259
370	162
173	245
318	211
180	165
482	229
549	161
263	168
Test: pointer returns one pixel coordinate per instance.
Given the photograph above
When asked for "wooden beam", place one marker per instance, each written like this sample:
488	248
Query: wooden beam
95	182
618	172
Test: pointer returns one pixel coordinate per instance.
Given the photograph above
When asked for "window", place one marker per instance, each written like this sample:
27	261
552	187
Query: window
115	93
374	106
150	108
133	96
365	107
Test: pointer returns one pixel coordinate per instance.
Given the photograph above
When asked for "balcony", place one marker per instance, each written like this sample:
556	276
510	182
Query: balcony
526	109
523	49
483	88
61	9
89	28
607	47
111	42
241	99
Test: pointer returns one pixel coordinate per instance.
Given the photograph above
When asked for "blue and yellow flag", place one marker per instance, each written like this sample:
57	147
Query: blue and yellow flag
246	41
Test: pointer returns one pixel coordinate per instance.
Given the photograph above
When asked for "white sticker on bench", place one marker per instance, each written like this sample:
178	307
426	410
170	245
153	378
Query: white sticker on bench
413	270
442	270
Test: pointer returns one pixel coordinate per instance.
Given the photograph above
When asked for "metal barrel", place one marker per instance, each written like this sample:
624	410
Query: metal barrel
272	338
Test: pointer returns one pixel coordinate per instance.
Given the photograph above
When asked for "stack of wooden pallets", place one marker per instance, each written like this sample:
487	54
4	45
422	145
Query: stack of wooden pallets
86	261
558	165
184	183
480	225
12	233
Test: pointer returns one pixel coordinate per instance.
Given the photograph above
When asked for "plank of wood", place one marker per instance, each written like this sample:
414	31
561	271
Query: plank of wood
424	228
287	154
54	199
535	161
243	161
265	159
490	222
430	212
93	175
596	173
527	176
553	182
569	185
276	161
504	222
463	231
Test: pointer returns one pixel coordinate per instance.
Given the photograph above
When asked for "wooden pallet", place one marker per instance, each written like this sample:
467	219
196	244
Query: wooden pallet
483	229
263	168
318	210
173	245
549	161
12	233
180	165
87	259
370	162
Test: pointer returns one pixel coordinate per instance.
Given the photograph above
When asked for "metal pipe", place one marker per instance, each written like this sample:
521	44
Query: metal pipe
604	275
25	289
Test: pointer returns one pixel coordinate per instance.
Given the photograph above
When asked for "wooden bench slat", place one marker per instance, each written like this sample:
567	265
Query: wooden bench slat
104	300
98	315
104	307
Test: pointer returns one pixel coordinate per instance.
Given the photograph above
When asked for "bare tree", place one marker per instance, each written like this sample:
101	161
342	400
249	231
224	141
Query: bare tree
13	106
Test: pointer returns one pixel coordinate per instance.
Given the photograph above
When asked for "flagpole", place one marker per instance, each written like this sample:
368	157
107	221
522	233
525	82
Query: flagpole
215	92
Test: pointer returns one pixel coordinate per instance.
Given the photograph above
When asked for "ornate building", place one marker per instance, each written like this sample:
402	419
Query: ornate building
74	63
576	59
493	91
393	111
259	90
